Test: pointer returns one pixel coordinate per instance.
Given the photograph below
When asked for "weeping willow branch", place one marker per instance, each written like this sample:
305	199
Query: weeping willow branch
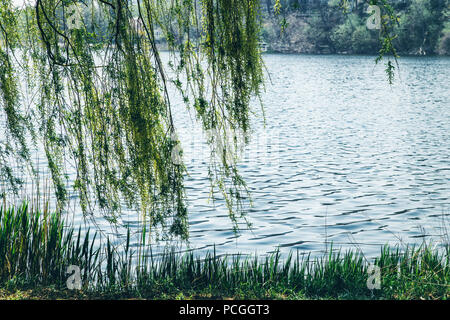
113	122
13	146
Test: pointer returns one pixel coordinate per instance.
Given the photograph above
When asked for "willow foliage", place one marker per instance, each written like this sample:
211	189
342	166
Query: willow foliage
104	107
97	99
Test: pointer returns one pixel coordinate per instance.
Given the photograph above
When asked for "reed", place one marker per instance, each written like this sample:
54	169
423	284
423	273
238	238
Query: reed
36	249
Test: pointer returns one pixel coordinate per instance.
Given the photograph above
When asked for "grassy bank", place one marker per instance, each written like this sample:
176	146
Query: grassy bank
36	250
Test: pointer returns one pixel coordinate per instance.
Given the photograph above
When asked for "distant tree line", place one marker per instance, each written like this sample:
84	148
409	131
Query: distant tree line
326	26
321	26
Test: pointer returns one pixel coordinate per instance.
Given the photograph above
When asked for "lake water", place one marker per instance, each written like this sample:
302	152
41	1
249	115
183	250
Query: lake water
343	158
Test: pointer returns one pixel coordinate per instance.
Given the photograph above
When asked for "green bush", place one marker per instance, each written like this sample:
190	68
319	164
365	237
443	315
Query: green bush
444	45
342	37
363	41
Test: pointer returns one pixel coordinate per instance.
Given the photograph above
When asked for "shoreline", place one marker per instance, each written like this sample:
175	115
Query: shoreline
40	259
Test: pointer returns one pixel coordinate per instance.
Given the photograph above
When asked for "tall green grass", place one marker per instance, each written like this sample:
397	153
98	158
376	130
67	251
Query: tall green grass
36	249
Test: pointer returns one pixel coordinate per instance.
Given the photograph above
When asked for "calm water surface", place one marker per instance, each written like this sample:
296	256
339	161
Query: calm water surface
343	158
